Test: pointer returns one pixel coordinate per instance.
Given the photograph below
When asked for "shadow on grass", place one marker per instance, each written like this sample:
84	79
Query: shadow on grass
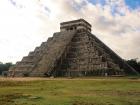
9	99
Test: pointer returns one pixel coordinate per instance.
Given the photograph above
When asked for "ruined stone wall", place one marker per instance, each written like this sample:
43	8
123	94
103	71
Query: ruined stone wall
116	58
53	54
75	25
83	57
42	60
28	63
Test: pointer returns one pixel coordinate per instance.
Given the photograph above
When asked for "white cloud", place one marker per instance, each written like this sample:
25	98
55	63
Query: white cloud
26	23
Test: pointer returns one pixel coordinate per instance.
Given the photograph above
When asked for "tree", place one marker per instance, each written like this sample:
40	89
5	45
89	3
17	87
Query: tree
134	63
5	67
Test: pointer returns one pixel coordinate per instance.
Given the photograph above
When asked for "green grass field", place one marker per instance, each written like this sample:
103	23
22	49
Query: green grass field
99	91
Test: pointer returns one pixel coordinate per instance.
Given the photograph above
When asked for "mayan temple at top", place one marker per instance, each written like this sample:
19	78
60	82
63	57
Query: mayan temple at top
74	51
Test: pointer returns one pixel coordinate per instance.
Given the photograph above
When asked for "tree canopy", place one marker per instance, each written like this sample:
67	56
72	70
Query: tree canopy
134	63
5	66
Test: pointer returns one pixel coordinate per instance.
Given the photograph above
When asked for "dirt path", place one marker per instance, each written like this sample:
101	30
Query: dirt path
41	78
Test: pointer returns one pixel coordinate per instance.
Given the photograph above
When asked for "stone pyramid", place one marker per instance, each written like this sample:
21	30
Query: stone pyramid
73	51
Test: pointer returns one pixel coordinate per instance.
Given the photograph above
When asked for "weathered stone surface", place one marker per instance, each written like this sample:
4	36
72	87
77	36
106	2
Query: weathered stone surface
72	52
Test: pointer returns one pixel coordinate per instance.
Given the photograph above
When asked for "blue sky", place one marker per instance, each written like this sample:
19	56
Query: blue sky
115	4
133	4
25	24
102	2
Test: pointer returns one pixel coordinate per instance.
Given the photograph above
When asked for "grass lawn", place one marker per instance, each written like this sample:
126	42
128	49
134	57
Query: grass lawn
98	91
